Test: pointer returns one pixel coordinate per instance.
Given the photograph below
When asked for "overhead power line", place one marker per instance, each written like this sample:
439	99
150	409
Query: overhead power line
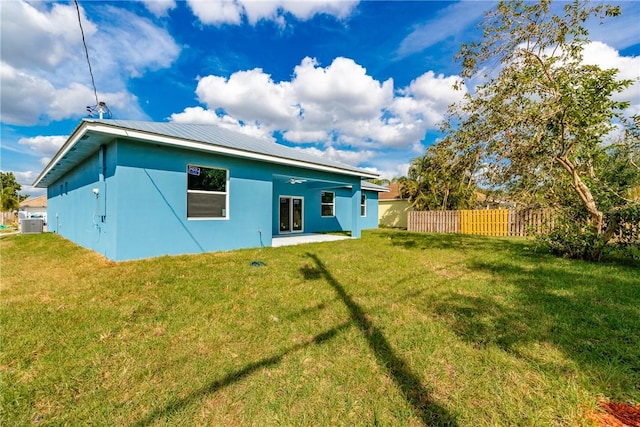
86	51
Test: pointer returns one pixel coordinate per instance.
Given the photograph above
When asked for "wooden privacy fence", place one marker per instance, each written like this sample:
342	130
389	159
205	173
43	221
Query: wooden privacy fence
490	222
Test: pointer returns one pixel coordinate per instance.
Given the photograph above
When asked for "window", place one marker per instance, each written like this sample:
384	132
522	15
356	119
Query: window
363	205
206	192
327	204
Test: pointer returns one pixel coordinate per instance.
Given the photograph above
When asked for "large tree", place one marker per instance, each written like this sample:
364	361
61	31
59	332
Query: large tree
542	116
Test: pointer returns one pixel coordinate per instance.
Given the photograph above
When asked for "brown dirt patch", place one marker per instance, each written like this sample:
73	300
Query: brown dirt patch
615	414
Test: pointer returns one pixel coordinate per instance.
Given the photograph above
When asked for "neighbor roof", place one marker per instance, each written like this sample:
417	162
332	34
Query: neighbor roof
393	194
35	202
91	133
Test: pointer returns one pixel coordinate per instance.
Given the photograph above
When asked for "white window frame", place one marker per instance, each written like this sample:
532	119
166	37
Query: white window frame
363	205
225	193
332	204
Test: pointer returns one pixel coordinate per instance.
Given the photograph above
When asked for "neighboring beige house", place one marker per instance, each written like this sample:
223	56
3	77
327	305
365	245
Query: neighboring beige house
392	208
35	207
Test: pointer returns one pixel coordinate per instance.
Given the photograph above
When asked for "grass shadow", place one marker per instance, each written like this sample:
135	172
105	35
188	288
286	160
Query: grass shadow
426	241
409	384
237	376
589	315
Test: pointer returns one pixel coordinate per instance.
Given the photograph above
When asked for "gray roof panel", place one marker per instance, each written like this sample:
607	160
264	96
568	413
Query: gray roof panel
216	135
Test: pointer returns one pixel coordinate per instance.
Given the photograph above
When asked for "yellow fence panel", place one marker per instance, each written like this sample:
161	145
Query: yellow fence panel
490	222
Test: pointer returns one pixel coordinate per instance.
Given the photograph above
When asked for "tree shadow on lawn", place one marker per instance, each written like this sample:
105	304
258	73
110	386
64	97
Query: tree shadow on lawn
423	241
592	317
430	413
237	376
516	246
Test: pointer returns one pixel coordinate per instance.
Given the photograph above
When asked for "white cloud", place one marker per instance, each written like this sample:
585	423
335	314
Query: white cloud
44	145
302	136
450	22
159	8
305	10
128	45
393	171
597	53
338	107
218	12
342	88
344	156
41	38
251	95
199	115
428	97
45	75
25	179
28	99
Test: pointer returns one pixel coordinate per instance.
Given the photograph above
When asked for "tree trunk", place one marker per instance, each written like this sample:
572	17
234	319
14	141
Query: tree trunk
444	200
597	217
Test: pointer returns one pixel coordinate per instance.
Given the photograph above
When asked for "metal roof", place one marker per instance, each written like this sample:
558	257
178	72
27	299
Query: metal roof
366	185
91	133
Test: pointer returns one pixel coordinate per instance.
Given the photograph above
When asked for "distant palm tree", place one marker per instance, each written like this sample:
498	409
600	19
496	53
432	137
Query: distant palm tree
440	180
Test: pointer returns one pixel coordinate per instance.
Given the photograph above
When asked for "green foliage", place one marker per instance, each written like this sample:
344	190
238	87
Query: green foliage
571	239
380	181
9	187
542	121
441	180
627	230
574	237
207	179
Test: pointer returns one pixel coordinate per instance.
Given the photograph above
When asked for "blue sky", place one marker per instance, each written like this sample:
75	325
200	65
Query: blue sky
362	82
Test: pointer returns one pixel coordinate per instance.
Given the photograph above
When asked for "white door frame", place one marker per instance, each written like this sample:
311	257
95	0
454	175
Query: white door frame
291	224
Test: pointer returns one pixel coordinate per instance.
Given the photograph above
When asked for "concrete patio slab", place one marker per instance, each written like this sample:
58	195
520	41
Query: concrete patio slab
300	239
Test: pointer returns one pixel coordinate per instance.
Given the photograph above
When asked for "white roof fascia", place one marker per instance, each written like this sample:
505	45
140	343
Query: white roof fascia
75	137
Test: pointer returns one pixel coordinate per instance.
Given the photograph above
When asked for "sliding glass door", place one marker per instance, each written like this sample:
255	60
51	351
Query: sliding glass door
291	214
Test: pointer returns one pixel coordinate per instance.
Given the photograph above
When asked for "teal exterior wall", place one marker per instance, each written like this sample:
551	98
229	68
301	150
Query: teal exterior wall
313	219
342	219
79	214
152	204
140	210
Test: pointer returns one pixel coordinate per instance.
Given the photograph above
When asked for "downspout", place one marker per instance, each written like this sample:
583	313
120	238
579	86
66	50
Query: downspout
355	210
102	162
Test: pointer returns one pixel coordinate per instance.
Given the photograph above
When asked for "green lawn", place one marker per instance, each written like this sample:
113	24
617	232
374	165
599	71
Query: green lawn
393	329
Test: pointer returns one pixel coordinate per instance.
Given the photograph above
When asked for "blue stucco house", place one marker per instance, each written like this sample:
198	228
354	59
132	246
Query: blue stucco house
132	189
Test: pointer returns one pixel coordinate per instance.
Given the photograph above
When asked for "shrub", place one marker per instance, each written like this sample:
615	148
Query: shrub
573	240
572	237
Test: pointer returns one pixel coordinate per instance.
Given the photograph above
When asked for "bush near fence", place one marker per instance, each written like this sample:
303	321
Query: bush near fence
489	222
